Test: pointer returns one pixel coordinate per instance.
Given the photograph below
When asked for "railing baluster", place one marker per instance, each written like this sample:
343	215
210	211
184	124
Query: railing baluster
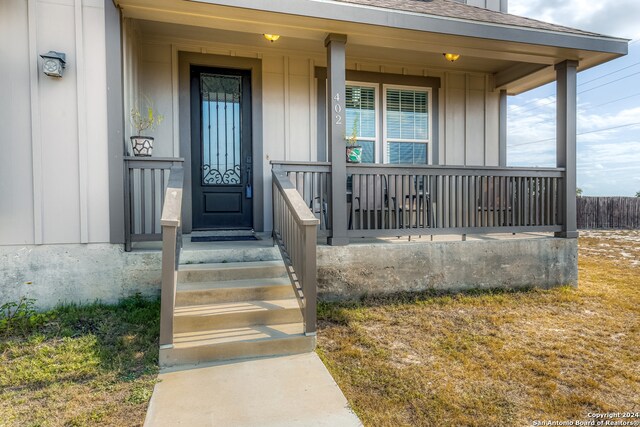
153	201
496	201
362	200
513	188
473	201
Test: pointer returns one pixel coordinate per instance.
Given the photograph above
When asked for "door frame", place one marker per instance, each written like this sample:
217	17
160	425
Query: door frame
185	61
243	217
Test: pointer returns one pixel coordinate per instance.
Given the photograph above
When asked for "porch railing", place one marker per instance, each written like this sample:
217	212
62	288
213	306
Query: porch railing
390	200
145	180
295	231
171	222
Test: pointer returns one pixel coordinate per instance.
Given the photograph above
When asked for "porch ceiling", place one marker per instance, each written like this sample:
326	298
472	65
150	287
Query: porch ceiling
517	66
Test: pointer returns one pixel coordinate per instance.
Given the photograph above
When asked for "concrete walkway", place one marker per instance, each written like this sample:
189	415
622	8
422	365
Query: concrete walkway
292	390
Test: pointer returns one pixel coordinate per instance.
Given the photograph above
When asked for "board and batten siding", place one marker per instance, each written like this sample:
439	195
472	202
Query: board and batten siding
53	139
471	121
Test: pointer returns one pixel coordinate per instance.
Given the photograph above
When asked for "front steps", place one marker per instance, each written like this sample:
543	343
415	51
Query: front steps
235	310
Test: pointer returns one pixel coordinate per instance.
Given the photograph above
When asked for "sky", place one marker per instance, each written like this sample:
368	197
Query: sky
608	101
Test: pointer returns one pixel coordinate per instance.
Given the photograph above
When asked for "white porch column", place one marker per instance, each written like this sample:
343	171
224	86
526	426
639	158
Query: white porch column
566	75
336	116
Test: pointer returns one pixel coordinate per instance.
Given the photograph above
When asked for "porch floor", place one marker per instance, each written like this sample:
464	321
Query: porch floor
265	241
444	238
292	390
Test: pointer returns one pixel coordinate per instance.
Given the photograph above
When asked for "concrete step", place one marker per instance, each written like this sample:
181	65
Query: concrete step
236	343
236	314
195	293
230	271
227	252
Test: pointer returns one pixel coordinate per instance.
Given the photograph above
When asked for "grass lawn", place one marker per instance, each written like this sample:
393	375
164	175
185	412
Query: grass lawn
503	358
495	359
76	366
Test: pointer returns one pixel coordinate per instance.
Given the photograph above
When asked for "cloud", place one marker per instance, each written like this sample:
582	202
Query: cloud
608	161
610	17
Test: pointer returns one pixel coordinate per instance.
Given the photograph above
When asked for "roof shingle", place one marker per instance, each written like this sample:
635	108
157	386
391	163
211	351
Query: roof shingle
456	10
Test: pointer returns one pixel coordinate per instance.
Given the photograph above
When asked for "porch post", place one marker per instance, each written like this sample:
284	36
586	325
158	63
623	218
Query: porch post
566	74
502	131
336	76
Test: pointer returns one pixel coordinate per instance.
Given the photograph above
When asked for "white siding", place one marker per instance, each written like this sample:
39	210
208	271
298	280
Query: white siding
53	178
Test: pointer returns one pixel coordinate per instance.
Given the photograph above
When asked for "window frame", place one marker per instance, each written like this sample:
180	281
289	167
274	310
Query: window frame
376	109
428	141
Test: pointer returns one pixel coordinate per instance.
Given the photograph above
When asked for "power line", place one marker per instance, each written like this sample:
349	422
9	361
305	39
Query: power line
581	92
579	134
608	74
539	106
614	100
542	119
581	84
534	100
612	81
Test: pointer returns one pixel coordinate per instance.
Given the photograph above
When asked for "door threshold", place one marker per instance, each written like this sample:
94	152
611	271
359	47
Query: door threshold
223	232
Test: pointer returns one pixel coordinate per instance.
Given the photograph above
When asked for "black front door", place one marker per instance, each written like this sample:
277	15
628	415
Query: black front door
221	168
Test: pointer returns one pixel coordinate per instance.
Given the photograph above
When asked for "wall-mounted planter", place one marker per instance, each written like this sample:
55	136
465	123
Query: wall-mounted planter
142	145
354	154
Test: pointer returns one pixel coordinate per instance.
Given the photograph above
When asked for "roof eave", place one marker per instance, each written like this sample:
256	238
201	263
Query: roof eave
547	74
347	12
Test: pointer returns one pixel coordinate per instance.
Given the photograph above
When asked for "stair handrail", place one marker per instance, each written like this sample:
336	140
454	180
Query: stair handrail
171	222
295	229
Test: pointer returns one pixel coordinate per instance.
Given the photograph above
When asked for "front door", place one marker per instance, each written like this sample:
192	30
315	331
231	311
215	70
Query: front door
221	168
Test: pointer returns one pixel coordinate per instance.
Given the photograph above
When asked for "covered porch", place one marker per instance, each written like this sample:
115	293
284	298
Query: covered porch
303	112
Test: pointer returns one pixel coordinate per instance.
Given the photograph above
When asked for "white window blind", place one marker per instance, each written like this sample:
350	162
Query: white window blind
407	125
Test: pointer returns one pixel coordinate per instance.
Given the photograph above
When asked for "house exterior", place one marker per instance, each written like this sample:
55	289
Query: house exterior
237	106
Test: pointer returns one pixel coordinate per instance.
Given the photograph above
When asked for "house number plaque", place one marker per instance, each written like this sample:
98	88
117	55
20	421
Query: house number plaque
337	107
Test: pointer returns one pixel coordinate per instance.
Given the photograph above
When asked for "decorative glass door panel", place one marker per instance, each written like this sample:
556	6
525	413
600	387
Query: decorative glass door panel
221	148
221	129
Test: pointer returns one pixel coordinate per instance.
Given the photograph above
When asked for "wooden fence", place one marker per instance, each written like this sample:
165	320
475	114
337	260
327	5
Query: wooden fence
608	212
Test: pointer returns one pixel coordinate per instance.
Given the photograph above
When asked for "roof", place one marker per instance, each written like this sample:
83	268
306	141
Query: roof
456	10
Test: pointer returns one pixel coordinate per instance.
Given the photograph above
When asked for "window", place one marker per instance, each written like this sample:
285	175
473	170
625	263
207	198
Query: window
407	131
361	118
406	118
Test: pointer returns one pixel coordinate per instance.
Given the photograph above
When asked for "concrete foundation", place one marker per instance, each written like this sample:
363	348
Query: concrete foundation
388	266
54	274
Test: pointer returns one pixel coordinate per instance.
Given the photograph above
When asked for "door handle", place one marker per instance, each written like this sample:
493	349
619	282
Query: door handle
249	186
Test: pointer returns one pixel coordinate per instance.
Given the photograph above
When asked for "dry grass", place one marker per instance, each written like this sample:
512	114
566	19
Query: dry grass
501	358
91	365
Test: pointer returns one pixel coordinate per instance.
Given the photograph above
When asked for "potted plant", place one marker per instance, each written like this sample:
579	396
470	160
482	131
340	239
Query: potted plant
354	151
144	120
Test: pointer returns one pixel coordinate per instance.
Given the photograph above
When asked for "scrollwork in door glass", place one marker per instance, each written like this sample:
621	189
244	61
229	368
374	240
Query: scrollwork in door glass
214	176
